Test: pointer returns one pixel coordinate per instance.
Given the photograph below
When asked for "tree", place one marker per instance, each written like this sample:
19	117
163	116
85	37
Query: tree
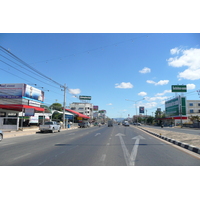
56	106
194	118
150	120
57	115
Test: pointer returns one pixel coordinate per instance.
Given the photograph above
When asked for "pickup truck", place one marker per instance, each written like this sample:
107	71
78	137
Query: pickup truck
50	127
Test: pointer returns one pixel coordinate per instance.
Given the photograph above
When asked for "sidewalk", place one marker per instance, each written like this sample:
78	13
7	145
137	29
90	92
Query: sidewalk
185	140
26	131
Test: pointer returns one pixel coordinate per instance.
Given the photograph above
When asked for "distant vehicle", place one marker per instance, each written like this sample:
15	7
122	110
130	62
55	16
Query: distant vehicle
1	135
110	123
51	126
126	124
84	124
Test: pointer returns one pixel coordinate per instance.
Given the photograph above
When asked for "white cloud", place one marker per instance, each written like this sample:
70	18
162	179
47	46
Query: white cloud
109	104
161	82
124	85
189	74
142	94
163	93
176	50
156	98
149	105
74	91
191	86
145	70
151	82
189	58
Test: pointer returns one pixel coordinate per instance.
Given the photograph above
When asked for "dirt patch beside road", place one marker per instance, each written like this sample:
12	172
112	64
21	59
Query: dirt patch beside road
182	137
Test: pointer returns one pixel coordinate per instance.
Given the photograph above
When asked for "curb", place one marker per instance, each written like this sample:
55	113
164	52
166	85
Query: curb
176	142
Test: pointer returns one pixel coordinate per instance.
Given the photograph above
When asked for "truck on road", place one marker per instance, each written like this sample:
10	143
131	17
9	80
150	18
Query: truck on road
110	123
51	126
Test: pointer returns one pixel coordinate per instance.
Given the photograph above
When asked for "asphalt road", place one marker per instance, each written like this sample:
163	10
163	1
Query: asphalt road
95	146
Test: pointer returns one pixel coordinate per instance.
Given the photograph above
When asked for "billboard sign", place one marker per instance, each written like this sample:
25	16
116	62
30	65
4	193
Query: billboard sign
95	108
141	109
29	112
85	97
69	117
102	111
175	106
20	90
179	88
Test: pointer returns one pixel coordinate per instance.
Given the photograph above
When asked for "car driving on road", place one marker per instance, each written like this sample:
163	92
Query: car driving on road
1	135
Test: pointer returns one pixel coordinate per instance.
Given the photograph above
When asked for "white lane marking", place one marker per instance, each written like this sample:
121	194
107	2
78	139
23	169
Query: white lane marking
97	134
135	148
22	156
108	144
125	151
103	157
8	144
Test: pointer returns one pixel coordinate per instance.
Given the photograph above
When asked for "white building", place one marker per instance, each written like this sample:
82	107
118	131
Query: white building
193	108
83	108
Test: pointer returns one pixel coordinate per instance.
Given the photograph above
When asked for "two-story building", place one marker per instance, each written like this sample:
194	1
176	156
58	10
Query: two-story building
83	108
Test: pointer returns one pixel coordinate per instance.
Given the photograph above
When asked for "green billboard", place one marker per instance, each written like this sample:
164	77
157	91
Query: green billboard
179	88
85	97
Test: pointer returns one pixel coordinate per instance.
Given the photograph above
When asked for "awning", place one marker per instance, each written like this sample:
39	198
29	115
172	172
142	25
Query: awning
19	107
77	113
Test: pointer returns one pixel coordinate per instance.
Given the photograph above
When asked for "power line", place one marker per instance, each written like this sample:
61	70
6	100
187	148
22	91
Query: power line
27	65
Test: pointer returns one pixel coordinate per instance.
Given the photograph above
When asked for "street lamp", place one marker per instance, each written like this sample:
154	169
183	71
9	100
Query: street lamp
135	106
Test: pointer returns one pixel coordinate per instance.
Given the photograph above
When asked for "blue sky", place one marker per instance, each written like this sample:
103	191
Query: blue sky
109	67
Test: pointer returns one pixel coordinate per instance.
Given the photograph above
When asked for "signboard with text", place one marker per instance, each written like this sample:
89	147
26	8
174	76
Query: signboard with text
20	91
141	109
175	106
85	97
179	88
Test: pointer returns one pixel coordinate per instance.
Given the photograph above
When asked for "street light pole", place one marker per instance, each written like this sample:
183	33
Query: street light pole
64	105
135	106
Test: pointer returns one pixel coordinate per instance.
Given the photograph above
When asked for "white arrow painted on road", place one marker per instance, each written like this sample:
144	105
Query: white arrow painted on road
125	150
130	159
135	148
97	134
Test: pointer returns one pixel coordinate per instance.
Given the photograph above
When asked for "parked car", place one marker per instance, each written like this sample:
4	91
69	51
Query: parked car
84	124
1	135
50	127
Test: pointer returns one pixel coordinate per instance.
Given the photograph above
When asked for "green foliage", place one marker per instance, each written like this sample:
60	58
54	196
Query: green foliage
56	106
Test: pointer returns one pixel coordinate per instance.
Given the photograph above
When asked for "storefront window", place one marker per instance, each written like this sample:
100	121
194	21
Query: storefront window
2	114
10	121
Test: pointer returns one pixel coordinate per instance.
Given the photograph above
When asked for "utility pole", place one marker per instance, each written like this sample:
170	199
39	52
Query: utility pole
64	105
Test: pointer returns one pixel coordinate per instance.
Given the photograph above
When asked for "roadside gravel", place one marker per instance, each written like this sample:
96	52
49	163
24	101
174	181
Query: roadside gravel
190	139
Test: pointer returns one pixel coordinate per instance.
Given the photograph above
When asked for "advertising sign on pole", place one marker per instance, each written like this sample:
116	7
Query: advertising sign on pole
95	108
141	109
179	88
85	97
